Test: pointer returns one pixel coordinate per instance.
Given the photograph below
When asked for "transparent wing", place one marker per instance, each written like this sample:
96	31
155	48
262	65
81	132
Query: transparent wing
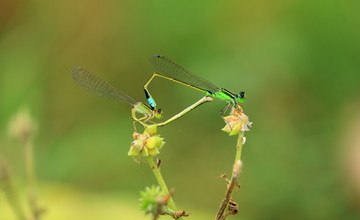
170	69
98	86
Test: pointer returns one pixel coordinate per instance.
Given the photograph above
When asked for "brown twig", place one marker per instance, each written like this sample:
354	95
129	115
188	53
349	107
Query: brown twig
161	203
162	208
232	185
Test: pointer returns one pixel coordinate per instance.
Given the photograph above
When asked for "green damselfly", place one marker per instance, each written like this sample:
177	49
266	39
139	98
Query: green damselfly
102	88
174	72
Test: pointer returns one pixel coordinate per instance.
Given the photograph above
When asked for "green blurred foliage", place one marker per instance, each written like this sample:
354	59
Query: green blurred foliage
298	62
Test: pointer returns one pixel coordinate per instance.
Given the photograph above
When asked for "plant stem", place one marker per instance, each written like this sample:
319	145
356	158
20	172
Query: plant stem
9	190
161	182
239	146
233	182
31	179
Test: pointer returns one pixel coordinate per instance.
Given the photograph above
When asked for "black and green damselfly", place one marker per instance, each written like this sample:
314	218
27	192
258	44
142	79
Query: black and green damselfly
174	72
102	88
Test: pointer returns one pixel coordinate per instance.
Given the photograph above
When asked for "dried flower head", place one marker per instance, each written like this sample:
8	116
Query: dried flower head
237	121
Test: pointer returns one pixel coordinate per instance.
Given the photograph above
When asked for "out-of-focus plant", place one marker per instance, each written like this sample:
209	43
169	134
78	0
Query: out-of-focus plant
7	186
23	129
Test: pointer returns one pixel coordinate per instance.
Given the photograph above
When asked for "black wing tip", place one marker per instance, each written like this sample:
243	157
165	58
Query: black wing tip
156	56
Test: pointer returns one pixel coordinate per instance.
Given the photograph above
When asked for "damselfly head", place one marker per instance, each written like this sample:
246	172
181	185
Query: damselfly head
158	113
241	97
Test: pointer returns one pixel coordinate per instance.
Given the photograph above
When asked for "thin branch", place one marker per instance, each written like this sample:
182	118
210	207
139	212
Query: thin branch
161	182
233	182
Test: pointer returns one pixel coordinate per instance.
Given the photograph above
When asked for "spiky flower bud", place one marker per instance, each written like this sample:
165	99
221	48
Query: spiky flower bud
149	199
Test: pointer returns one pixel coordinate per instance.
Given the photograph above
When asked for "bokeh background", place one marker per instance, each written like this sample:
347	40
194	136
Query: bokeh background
298	62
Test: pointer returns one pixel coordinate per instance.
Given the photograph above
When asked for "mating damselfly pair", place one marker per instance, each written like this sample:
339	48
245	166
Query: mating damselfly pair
168	70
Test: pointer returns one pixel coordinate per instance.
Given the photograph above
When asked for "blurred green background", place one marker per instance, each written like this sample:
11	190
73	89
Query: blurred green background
298	62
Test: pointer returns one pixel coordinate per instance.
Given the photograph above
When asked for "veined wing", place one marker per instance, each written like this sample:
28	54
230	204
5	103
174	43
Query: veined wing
98	86
170	69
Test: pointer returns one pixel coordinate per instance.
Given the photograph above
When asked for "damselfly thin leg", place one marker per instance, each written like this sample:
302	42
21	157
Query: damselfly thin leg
225	109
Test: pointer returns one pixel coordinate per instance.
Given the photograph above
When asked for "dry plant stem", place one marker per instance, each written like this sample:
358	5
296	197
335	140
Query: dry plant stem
233	182
10	193
30	179
161	182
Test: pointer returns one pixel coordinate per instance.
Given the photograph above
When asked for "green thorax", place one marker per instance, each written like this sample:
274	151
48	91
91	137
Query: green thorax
142	109
226	95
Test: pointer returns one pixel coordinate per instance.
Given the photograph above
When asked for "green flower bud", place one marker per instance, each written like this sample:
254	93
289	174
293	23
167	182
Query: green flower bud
154	151
138	144
133	152
153	142
151	130
146	144
145	152
136	147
